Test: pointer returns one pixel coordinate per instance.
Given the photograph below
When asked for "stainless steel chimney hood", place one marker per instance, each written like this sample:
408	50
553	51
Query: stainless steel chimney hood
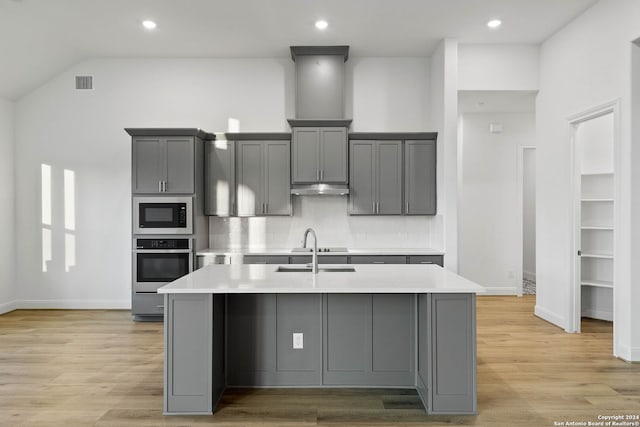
320	190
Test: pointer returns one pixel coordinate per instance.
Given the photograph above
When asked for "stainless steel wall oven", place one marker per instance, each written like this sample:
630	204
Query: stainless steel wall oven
157	262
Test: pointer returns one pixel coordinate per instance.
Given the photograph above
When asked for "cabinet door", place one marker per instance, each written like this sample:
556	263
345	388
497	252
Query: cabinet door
420	178
180	173
219	178
389	178
305	155
277	193
362	190
333	155
250	176
148	165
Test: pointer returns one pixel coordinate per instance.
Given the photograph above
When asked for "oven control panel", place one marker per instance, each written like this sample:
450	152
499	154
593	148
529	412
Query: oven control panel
163	244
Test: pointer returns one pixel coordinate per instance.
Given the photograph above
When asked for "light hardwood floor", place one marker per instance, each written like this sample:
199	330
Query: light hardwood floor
82	368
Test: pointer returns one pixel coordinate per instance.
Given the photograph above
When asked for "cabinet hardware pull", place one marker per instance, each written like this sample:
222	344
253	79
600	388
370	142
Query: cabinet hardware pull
378	262
164	186
426	262
407	207
160	306
266	208
373	207
159	186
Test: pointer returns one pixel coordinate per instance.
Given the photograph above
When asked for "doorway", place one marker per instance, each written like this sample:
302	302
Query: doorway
528	203
594	192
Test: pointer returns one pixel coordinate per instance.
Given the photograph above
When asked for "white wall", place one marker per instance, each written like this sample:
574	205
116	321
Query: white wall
581	67
498	67
388	94
83	132
489	212
444	120
7	199
529	214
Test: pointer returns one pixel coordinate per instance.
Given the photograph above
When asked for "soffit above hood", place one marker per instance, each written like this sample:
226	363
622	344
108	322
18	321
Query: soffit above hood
320	190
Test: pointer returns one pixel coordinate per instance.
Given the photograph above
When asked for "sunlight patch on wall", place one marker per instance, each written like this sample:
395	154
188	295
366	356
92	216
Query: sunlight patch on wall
45	173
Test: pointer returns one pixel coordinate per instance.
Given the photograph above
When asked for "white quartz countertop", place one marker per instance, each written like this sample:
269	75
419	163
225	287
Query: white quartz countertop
290	251
367	278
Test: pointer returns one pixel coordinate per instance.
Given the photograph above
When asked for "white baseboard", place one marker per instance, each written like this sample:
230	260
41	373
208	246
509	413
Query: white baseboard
530	276
549	316
597	314
74	304
501	290
7	307
626	353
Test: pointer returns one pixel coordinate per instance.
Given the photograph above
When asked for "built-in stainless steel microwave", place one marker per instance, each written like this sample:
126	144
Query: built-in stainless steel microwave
162	215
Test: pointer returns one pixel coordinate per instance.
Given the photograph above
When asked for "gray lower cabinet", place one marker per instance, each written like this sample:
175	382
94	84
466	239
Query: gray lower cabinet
163	165
319	154
322	259
147	304
377	259
194	366
446	380
369	340
420	177
220	186
426	259
375	177
265	259
263	178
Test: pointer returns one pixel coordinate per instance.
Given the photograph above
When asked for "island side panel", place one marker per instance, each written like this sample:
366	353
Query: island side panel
452	354
188	354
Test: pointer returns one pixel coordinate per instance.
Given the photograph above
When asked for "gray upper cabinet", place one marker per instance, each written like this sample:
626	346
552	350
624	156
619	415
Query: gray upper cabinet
220	196
375	182
319	155
163	165
262	178
420	177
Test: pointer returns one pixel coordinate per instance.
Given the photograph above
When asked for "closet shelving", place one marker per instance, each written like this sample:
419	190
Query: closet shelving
597	254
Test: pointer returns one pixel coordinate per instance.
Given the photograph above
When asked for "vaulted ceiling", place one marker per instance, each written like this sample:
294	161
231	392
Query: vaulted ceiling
40	38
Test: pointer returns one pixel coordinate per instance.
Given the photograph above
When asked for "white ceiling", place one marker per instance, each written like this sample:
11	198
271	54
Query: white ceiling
39	38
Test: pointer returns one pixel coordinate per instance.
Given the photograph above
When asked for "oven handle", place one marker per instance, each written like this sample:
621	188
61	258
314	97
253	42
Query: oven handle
163	251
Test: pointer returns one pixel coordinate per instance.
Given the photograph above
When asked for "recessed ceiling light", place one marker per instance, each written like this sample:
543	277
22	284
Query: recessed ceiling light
321	25
149	25
494	23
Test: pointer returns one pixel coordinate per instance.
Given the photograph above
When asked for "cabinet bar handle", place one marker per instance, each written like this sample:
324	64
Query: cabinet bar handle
160	306
266	208
164	186
378	262
159	186
426	262
407	207
373	207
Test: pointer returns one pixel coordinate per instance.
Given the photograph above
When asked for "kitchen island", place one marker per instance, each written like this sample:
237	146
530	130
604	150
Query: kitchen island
402	326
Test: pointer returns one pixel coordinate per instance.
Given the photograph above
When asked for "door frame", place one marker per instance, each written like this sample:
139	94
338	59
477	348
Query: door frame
520	178
575	294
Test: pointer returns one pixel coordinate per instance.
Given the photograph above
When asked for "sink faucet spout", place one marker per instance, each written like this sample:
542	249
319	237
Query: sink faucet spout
314	254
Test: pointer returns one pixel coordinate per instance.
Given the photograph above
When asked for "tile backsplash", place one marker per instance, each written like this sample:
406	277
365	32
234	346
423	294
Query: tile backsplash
327	215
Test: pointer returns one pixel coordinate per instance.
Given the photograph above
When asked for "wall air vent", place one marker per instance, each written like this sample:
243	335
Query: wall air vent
84	82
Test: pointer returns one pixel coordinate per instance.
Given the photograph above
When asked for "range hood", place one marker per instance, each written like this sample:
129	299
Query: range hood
320	190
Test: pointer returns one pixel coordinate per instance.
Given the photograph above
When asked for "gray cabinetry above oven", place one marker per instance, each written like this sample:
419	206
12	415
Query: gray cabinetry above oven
164	160
220	178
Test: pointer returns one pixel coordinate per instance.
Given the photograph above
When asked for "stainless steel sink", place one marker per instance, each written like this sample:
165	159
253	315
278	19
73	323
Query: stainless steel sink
328	269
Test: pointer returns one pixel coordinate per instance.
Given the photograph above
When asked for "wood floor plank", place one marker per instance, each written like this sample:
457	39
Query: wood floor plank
97	367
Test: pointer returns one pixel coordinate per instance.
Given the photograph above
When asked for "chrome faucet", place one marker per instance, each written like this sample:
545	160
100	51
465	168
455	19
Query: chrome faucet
314	255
